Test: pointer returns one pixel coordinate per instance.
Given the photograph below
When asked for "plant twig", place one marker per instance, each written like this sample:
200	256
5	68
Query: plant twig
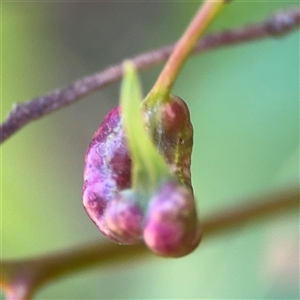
21	278
23	113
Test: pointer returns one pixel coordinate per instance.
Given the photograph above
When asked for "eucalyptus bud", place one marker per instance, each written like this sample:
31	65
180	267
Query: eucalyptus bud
107	169
124	218
171	227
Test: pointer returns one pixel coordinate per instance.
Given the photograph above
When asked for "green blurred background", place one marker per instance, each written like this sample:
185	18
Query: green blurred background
245	111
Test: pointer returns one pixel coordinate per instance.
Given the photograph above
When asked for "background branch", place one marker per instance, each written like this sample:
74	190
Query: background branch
23	113
21	278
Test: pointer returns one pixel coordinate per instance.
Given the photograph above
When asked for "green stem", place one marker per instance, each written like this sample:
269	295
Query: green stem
148	165
206	14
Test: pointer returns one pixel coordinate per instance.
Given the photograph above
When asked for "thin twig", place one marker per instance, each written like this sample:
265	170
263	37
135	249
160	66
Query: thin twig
23	113
27	275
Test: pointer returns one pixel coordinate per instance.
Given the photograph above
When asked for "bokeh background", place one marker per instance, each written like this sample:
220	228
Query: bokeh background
245	111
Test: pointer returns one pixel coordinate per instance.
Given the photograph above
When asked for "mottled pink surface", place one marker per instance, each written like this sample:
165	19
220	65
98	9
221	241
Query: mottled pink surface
171	226
124	217
107	169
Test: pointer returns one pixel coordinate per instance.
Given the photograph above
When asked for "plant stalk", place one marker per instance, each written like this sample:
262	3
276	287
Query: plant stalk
206	14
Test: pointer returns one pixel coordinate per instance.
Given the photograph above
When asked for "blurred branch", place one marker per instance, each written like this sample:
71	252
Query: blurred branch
21	278
23	113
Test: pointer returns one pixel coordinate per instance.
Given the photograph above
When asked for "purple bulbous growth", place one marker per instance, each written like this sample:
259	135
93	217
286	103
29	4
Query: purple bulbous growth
172	131
124	218
107	169
171	226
